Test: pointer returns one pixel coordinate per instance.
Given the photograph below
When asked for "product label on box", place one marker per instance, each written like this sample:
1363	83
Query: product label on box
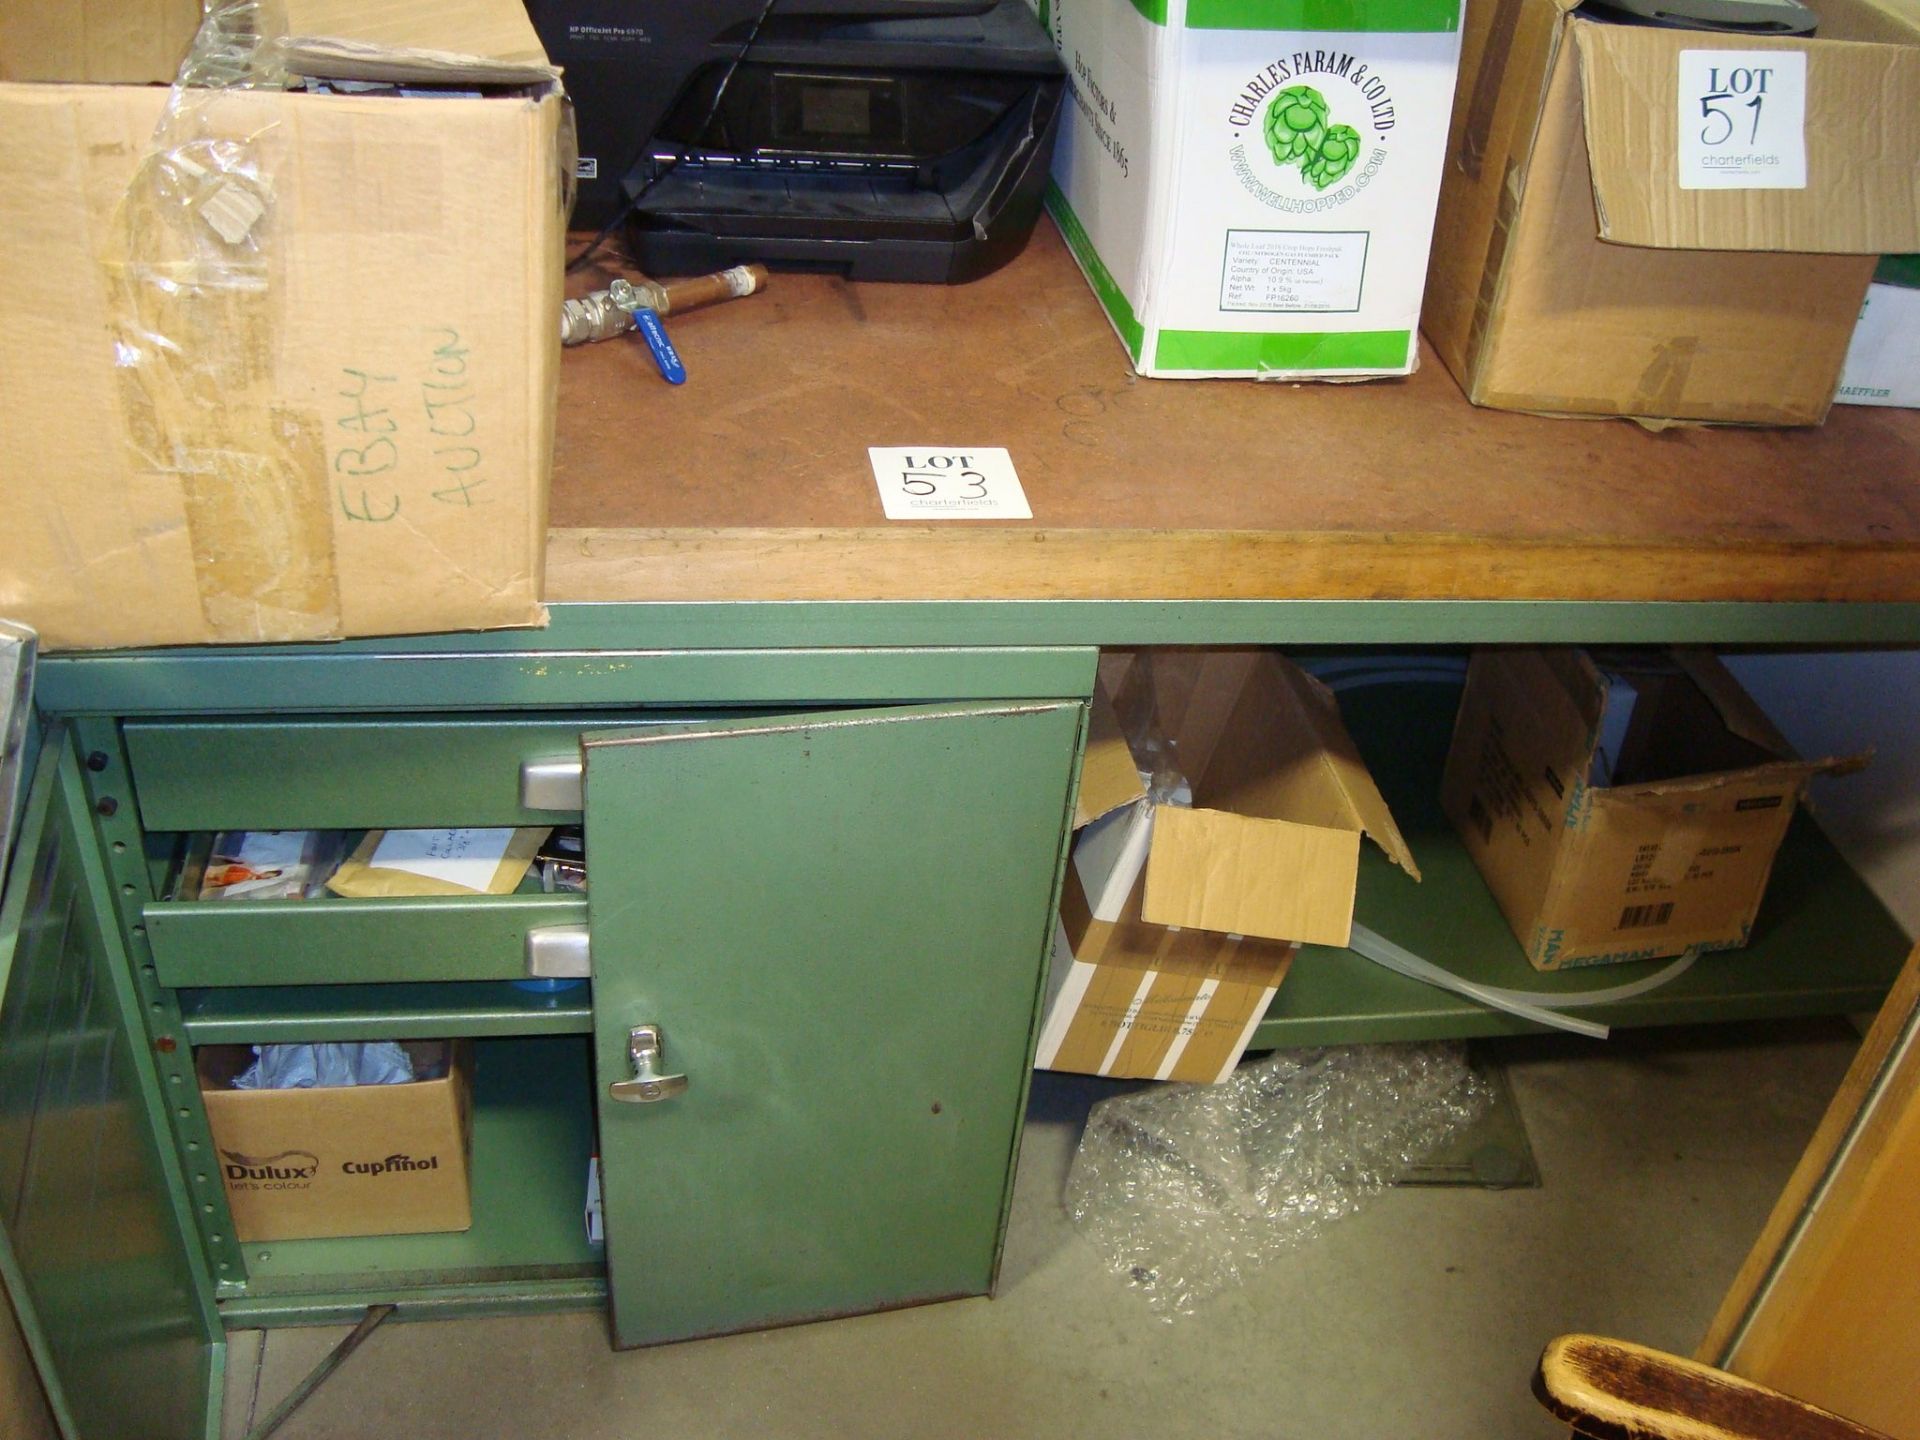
1308	131
1883	363
1743	120
286	1170
1310	168
1294	270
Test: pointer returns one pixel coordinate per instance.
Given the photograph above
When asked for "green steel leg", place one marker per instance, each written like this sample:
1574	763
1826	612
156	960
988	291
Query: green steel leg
320	1373
95	1232
116	818
463	1301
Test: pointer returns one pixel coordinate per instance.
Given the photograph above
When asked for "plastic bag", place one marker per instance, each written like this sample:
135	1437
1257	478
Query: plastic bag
1189	1189
306	1067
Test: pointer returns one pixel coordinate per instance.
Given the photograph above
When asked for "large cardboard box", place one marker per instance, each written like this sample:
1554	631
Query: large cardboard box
276	365
1883	360
1230	835
1670	223
1250	188
344	1160
1621	813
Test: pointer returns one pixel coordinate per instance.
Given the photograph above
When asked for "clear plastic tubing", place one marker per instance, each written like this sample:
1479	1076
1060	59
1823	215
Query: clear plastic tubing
1528	1005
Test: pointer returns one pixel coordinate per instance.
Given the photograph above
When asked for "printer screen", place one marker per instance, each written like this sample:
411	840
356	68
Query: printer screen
776	110
818	112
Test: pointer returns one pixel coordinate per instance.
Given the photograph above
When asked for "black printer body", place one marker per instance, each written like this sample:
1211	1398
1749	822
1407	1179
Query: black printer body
885	139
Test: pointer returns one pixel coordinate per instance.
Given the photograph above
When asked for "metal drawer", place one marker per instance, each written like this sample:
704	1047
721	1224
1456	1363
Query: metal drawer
317	774
337	941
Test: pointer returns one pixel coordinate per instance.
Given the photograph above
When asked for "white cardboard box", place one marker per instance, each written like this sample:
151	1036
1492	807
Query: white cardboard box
1249	195
1184	900
1144	1001
1883	362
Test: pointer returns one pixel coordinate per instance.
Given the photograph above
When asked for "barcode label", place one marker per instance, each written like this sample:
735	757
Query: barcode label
1639	917
1482	821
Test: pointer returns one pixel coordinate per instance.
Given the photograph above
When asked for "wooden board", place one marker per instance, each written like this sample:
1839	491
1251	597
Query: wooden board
752	482
1826	1306
1614	1390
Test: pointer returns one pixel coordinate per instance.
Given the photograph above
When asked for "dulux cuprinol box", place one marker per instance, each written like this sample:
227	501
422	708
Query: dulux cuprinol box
1250	185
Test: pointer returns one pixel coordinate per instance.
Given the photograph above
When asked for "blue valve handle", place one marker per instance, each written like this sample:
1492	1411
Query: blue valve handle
647	322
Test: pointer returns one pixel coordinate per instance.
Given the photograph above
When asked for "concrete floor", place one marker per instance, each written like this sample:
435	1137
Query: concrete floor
1661	1153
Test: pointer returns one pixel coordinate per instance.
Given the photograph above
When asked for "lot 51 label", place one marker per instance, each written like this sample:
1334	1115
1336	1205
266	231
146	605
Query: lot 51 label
1743	120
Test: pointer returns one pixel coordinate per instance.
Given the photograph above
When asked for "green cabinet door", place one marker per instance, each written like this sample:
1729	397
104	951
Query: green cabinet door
119	1320
837	924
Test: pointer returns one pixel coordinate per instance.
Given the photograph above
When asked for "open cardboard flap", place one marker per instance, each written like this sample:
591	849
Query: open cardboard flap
1695	730
1281	798
1108	776
477	42
1862	129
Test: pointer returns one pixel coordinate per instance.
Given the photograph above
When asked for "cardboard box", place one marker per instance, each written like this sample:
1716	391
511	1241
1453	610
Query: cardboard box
344	1160
1184	900
593	1214
1595	255
1152	1002
1620	814
1883	359
277	366
1250	189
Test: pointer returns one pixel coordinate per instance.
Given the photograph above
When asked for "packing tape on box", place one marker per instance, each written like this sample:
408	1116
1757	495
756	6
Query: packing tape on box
1663	384
1493	270
1476	132
188	270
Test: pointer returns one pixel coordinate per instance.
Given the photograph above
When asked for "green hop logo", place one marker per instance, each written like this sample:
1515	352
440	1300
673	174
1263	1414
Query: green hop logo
1335	158
1300	131
1296	123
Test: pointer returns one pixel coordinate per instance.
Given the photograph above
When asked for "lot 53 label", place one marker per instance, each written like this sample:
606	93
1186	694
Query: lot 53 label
929	482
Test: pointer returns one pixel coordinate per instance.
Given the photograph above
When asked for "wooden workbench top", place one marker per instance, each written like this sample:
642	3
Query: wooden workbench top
751	482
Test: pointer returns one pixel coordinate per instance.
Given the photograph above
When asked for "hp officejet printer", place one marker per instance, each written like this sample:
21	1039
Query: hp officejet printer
887	139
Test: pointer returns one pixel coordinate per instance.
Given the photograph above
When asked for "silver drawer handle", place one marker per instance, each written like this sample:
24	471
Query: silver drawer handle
646	1047
558	952
553	784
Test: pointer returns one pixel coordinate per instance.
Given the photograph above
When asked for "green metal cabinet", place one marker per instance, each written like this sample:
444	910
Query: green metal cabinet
836	935
824	877
96	1248
837	918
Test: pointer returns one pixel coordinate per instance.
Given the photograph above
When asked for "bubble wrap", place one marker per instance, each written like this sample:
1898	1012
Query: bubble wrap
1190	1189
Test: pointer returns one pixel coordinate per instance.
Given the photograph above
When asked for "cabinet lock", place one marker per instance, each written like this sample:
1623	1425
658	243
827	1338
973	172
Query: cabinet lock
647	1048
